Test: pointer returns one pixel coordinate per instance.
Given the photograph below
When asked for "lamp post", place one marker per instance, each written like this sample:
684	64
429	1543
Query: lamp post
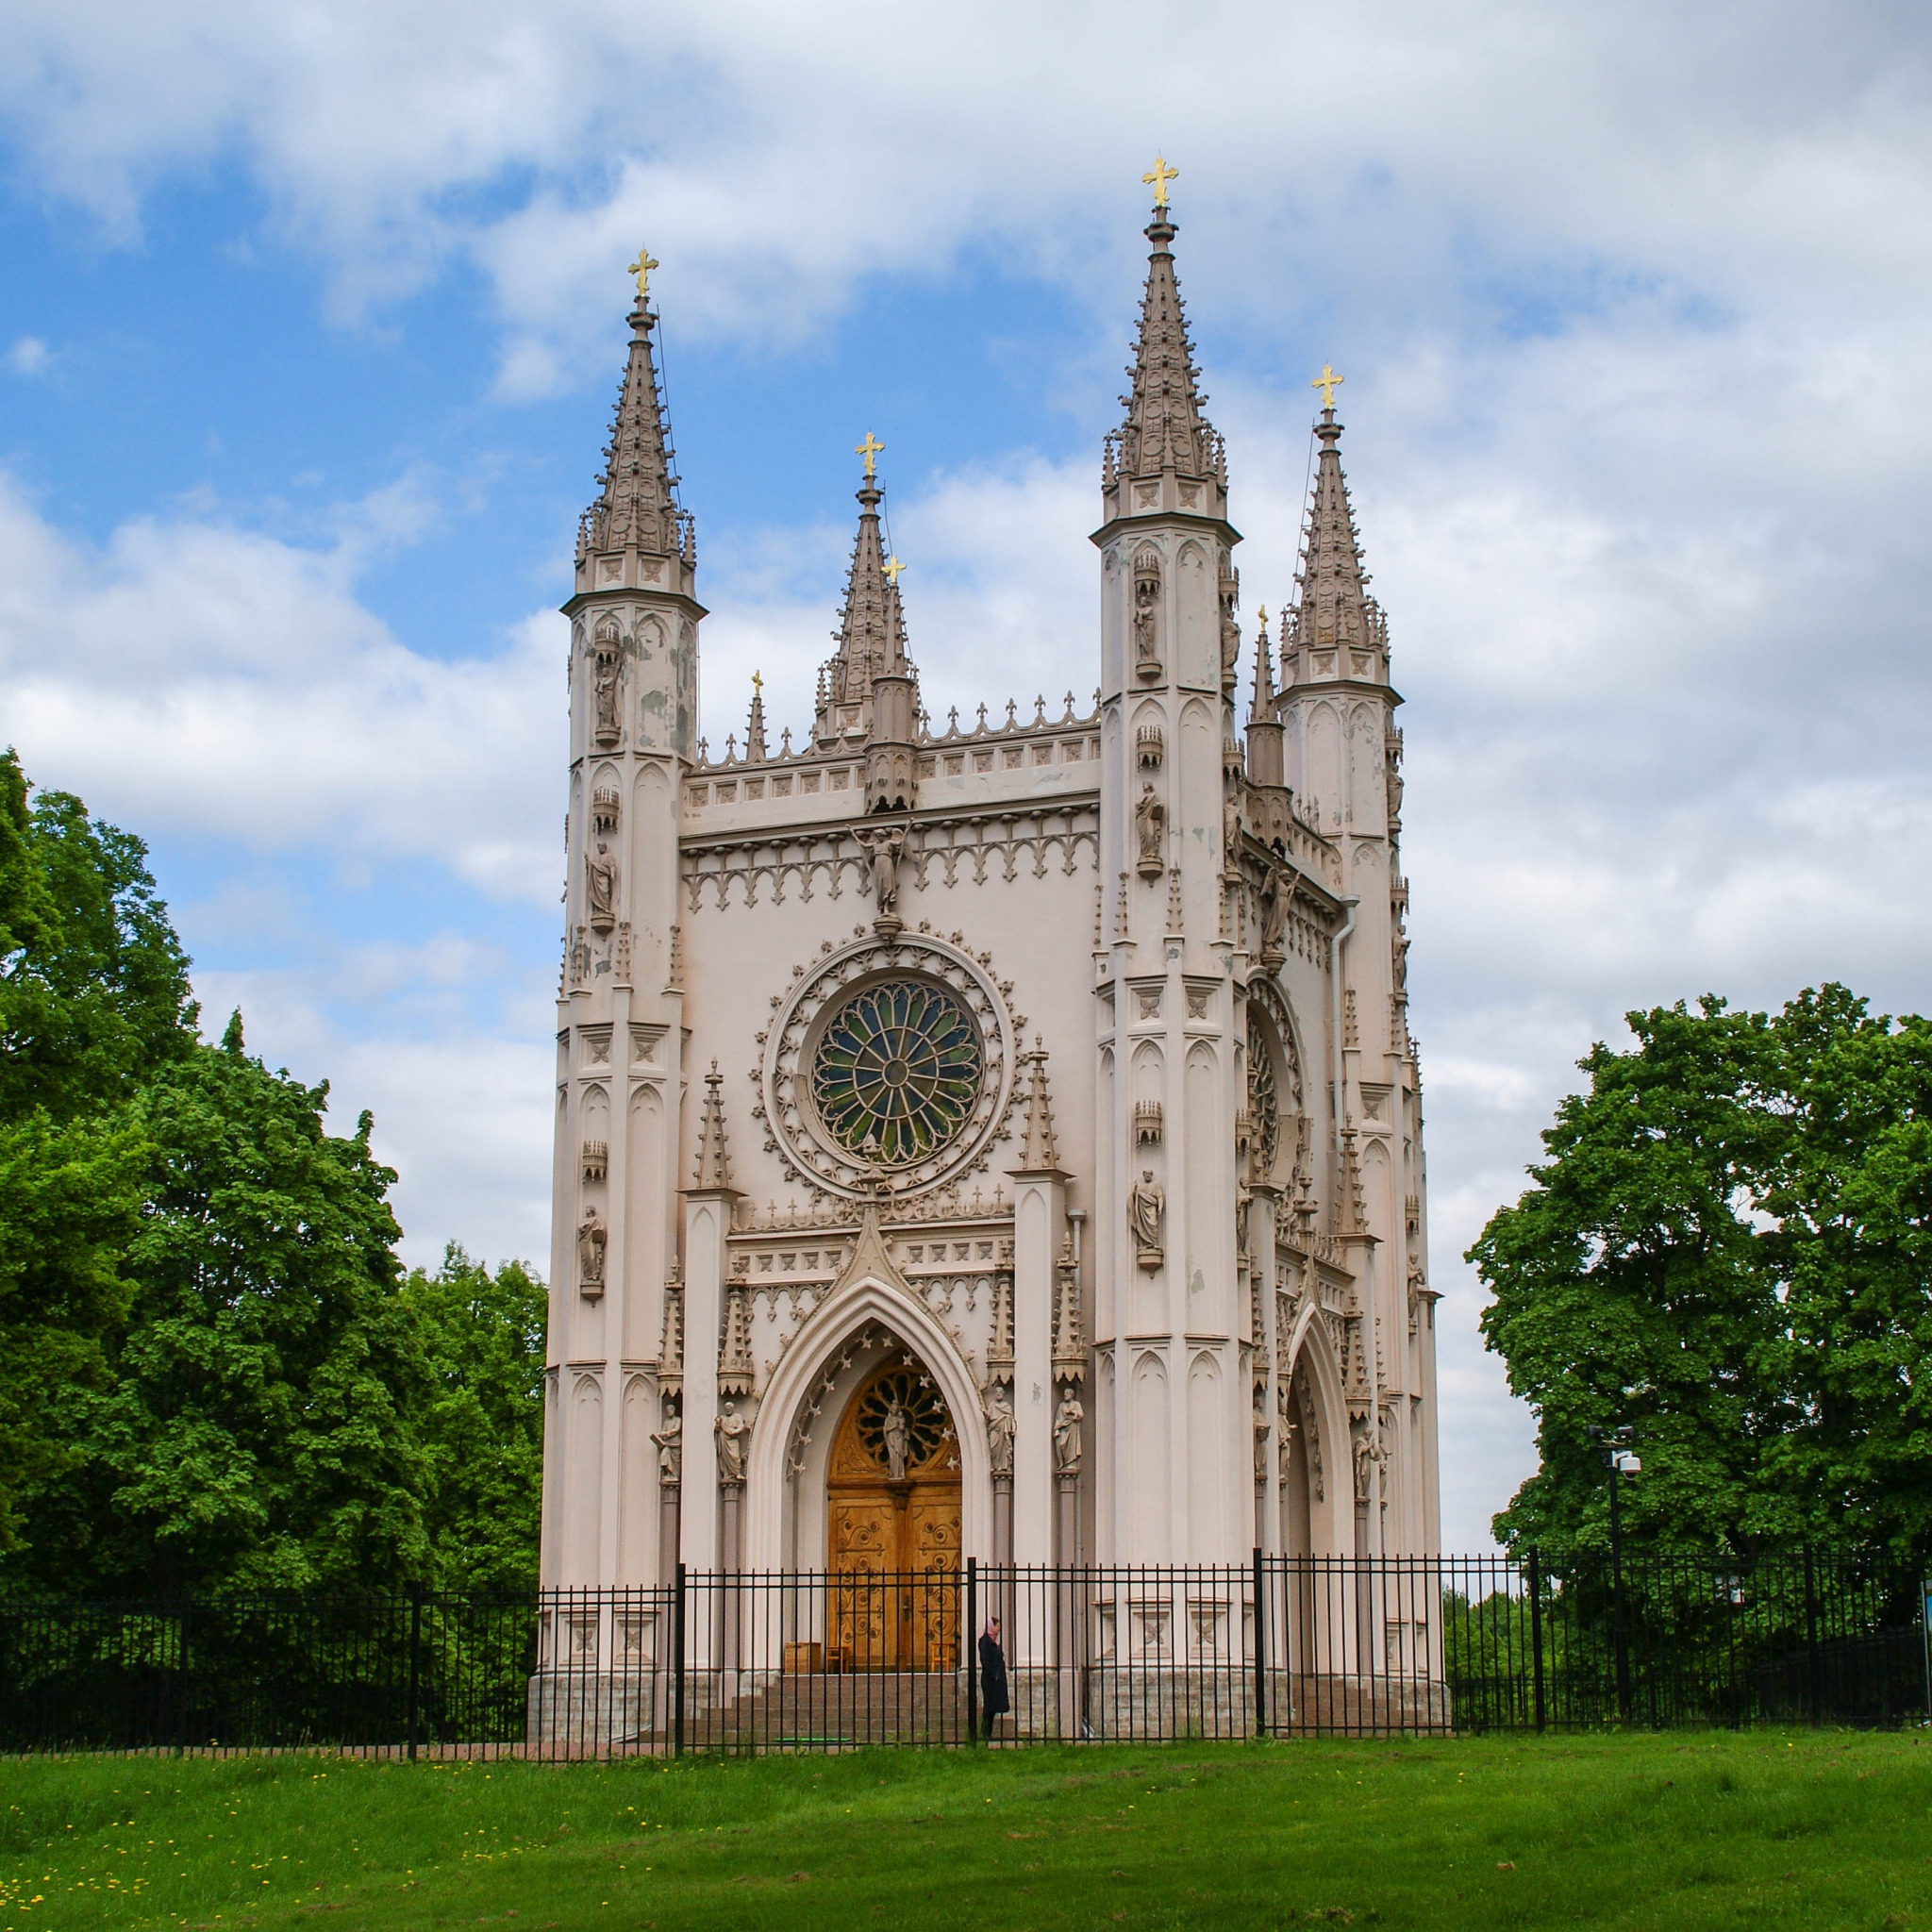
1614	1446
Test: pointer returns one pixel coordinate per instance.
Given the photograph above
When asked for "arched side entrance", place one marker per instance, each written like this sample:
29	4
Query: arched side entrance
892	1526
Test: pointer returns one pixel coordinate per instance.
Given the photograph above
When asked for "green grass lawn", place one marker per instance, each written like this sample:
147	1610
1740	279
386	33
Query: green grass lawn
1813	1829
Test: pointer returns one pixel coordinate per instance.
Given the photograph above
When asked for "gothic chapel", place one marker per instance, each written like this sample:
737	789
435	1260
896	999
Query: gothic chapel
1002	1140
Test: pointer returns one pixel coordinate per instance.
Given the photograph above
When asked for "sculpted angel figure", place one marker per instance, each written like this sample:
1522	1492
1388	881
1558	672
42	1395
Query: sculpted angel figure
883	849
1146	1205
1275	900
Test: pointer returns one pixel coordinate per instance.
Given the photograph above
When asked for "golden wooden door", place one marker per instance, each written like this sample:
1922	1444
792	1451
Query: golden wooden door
893	1497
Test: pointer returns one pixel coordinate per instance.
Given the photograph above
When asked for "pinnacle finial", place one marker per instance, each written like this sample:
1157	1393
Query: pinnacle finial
1158	179
714	1167
871	449
1040	1152
642	268
1327	382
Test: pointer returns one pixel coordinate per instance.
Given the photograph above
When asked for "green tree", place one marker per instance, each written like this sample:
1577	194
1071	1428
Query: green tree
94	984
1728	1251
482	1338
261	1426
93	997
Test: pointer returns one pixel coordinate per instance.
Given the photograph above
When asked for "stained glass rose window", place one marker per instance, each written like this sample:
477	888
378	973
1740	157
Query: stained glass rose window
896	1072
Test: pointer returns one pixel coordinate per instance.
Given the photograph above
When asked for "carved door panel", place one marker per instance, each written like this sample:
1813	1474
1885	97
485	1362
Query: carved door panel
931	1550
865	1548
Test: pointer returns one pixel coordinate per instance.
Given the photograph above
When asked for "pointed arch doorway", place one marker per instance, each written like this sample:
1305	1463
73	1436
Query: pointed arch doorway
892	1526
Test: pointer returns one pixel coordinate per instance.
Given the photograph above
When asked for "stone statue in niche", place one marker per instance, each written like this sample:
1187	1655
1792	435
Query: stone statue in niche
1367	1452
896	1433
1146	1206
1150	823
999	1426
1066	1434
670	1441
1232	837
603	678
1146	608
600	880
732	1431
591	1239
1261	1426
882	850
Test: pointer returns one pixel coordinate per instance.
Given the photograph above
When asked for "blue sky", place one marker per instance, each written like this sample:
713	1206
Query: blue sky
312	319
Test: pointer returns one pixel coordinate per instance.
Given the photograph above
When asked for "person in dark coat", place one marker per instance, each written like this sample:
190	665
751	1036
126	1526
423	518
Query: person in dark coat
992	1675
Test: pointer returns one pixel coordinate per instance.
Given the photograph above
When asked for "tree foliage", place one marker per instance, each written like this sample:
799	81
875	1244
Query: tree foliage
1729	1251
213	1374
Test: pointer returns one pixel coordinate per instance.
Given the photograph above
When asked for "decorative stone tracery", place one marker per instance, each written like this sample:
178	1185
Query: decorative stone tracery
811	1094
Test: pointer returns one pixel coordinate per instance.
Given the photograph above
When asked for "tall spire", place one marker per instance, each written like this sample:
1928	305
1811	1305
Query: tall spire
637	503
1165	428
872	627
1333	608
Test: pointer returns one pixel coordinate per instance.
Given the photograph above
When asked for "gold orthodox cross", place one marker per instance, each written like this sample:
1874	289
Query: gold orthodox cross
758	683
1262	614
642	268
870	450
1161	175
1326	382
891	567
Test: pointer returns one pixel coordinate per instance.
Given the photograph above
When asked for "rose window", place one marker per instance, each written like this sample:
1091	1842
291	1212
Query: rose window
897	1073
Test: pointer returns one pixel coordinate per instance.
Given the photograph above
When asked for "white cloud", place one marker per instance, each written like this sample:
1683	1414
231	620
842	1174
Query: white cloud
28	356
193	676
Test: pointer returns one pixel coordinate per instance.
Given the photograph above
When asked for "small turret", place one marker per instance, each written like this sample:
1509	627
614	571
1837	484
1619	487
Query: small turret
868	690
1265	764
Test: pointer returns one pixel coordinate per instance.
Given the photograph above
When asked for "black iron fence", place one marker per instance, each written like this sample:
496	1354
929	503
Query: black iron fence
797	1661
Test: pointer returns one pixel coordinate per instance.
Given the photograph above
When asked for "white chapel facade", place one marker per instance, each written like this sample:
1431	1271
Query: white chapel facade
1002	1140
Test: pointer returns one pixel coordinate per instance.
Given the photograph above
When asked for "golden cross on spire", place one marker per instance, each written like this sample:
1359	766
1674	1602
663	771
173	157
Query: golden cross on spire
758	683
642	268
891	567
1262	616
1159	179
1326	382
870	450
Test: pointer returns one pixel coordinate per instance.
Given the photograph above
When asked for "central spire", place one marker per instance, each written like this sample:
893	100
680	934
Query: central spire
872	624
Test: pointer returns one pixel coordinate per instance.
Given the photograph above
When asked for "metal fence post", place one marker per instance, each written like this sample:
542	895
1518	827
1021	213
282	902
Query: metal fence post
677	1667
1926	1636
1260	1653
1814	1688
415	1646
1536	1632
972	1649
